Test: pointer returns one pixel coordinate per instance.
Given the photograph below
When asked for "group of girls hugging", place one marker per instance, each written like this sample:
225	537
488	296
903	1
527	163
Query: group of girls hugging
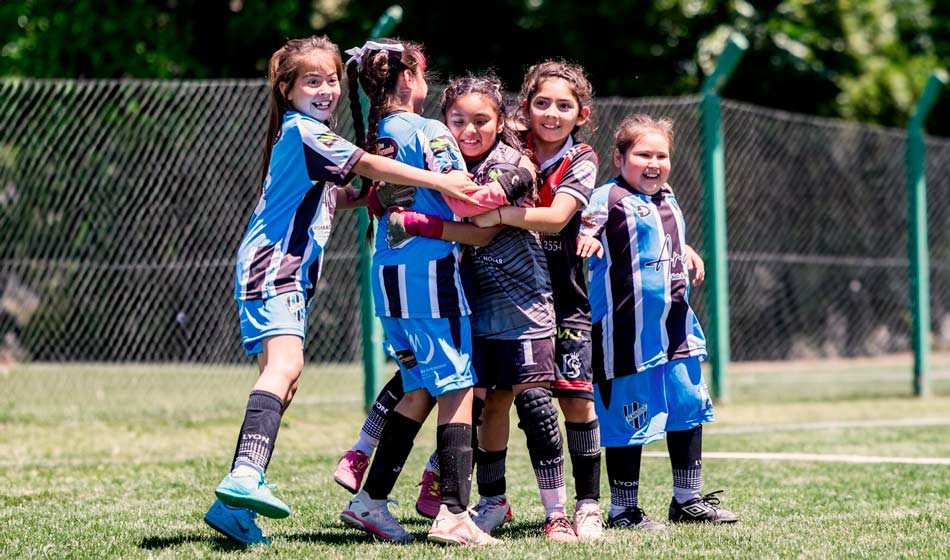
486	219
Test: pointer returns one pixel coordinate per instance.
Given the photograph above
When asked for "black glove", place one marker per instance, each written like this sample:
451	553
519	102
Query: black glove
396	195
516	183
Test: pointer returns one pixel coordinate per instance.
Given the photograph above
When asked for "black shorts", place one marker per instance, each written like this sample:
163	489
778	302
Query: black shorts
500	364
572	357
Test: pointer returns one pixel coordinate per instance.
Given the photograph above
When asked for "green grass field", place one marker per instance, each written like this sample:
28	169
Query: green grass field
121	461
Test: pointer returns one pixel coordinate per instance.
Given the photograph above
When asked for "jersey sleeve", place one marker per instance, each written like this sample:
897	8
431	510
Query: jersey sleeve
580	178
329	157
441	152
594	216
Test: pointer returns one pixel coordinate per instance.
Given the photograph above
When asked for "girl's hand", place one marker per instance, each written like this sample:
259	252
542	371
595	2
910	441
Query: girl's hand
457	184
587	246
695	263
488	219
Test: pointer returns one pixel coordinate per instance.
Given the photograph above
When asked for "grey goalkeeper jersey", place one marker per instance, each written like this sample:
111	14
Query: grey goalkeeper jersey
511	288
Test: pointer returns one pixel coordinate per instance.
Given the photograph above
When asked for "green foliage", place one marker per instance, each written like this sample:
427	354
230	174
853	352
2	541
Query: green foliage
864	60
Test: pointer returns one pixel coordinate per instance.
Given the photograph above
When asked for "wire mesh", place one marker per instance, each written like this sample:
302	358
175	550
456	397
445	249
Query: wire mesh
122	204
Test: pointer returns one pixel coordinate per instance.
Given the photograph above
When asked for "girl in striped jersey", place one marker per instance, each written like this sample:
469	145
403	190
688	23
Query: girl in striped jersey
556	100
418	296
279	259
647	341
512	319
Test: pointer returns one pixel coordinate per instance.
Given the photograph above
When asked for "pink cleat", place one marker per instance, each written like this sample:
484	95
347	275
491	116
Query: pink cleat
430	494
350	470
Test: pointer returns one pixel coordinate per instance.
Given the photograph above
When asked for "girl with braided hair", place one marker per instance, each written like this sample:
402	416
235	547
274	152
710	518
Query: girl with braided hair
418	296
512	322
279	260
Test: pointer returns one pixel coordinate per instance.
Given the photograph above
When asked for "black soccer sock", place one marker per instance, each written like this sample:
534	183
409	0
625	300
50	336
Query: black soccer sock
583	443
255	443
623	473
491	472
395	443
686	459
385	402
454	443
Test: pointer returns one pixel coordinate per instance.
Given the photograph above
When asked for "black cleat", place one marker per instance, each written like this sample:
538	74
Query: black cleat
634	518
704	509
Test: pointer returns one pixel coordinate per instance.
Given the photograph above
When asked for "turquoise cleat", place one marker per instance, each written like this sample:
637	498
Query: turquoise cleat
253	493
235	523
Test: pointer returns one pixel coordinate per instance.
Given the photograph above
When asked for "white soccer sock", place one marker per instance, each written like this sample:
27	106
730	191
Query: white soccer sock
245	470
683	495
554	500
367	444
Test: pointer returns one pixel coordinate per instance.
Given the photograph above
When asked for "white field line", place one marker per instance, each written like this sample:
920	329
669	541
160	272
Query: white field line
713	430
819	377
813	457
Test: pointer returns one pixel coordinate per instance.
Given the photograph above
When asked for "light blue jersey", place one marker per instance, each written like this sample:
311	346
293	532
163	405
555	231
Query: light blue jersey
419	279
283	248
639	289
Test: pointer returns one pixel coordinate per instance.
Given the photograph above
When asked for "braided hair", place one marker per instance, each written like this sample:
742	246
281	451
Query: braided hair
377	72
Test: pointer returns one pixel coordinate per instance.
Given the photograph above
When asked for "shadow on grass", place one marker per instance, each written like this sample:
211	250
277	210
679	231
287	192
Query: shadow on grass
218	543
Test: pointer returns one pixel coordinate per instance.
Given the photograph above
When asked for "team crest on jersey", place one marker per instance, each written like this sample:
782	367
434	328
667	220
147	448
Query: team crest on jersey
635	413
571	365
296	305
387	147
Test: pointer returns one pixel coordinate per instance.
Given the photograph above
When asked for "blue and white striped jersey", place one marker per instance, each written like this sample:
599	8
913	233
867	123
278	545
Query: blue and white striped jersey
282	250
639	290
419	278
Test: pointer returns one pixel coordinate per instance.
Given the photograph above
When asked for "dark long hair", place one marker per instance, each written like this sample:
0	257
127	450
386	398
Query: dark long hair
378	74
489	87
574	75
282	72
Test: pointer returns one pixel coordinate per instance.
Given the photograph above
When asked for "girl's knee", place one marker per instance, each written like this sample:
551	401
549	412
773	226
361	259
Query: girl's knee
577	410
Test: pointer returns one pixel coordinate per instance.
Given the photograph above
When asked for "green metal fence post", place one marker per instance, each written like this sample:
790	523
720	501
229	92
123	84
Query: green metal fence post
918	250
714	180
373	358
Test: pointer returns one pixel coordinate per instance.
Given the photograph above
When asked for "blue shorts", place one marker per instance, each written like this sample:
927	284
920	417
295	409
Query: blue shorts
638	409
433	354
265	318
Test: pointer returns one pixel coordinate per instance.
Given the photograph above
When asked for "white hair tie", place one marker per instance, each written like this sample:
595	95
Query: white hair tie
356	53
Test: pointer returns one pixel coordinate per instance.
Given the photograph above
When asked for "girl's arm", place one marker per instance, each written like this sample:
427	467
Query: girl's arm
469	234
347	198
546	220
453	184
403	225
695	263
504	190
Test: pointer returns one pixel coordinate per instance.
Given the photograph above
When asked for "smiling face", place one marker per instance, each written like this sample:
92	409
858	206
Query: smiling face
316	91
645	165
473	121
553	112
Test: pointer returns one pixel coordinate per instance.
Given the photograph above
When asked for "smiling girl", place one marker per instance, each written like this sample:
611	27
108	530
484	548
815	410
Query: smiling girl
647	342
279	260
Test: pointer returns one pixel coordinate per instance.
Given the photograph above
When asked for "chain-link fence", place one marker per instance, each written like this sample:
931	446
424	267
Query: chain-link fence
122	204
